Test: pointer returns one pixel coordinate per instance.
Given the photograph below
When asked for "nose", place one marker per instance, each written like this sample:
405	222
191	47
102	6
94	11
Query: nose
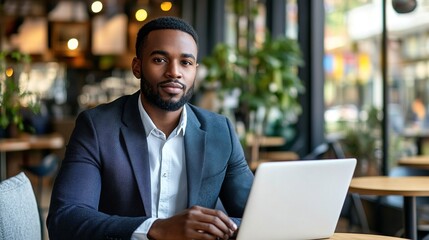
173	70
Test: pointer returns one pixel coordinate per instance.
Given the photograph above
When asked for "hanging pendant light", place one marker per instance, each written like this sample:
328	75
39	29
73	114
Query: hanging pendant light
404	6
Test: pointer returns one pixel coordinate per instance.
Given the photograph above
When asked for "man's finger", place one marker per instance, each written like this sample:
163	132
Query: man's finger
214	222
222	216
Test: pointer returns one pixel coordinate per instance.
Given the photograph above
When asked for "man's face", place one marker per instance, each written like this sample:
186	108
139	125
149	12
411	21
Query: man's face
167	69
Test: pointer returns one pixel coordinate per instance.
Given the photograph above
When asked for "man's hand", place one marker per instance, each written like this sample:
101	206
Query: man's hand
194	223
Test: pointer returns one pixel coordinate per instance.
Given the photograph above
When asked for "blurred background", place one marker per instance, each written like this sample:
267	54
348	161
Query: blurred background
352	72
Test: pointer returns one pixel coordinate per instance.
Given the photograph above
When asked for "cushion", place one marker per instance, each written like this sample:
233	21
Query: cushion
19	215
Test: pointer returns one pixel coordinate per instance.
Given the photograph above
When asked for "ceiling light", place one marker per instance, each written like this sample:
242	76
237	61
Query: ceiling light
73	44
166	6
96	7
141	15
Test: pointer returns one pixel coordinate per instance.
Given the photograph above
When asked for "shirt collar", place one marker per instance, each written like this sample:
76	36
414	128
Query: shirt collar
149	126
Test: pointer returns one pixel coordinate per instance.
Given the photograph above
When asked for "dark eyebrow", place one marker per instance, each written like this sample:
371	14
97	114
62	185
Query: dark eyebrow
164	53
188	55
160	52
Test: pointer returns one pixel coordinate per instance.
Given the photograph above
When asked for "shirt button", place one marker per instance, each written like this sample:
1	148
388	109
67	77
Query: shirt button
164	175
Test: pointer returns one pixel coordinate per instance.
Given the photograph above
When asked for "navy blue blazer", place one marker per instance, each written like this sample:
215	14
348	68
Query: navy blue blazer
102	190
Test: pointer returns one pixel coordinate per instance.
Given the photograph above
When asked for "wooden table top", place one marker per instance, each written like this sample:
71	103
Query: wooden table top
421	161
29	142
264	141
272	157
10	145
411	186
415	132
50	141
359	236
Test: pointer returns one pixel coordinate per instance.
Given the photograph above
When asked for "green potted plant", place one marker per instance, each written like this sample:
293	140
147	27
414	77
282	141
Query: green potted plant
362	141
14	99
266	78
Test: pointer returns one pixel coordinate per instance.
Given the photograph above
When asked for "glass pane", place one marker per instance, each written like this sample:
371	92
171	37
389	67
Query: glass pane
292	19
354	84
353	96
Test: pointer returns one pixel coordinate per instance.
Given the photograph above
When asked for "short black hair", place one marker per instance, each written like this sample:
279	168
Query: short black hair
163	23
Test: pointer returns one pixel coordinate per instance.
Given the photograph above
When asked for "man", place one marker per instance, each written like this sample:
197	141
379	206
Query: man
150	165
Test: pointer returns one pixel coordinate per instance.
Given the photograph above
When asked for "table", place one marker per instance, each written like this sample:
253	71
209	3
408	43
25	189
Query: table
409	187
273	156
421	161
419	134
255	142
359	236
27	142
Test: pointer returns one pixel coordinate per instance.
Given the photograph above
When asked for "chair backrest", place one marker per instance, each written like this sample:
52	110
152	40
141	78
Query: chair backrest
50	163
317	152
321	151
19	215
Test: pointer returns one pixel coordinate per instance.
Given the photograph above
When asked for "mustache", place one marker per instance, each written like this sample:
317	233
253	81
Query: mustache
171	81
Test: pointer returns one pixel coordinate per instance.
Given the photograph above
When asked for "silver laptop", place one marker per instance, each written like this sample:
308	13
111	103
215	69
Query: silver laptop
296	199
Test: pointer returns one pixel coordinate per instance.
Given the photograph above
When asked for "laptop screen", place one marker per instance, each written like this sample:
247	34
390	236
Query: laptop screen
296	199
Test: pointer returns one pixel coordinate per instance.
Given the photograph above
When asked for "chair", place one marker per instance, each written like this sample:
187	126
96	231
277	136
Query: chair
19	216
323	149
317	152
48	165
353	209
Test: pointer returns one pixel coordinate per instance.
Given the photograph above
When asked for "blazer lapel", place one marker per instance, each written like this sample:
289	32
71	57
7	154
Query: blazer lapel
195	142
135	141
136	144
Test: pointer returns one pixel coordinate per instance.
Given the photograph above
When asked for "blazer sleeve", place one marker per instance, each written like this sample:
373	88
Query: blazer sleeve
73	212
238	179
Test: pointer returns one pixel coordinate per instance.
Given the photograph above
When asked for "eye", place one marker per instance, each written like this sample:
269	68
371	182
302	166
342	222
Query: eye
187	63
159	60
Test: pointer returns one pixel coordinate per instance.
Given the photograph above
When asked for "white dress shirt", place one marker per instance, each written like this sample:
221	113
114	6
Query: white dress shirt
167	171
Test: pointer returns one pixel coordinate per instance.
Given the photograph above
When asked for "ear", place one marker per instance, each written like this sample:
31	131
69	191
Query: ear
136	67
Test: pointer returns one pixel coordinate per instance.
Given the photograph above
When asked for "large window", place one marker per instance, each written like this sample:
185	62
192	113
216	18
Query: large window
354	80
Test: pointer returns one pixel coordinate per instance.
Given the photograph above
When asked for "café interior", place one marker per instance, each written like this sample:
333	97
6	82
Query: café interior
299	79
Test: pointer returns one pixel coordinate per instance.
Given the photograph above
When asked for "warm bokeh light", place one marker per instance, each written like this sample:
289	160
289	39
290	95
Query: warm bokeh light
9	72
141	15
166	6
73	43
96	7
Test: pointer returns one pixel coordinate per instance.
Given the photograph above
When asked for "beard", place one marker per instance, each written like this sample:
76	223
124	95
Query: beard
152	95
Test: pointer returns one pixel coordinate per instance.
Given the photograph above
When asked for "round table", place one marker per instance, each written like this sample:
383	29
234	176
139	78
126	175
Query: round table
409	187
420	161
359	236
